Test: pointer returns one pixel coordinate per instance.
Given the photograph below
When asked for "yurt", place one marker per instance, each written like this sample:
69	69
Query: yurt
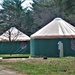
13	41
56	39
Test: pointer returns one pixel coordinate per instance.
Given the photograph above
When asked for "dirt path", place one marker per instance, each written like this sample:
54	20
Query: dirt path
5	71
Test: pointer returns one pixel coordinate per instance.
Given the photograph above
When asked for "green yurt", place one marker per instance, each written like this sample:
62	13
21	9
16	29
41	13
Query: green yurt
56	39
13	41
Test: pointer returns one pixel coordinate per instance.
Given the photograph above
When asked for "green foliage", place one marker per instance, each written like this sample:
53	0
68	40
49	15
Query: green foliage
43	12
13	14
46	10
70	6
61	6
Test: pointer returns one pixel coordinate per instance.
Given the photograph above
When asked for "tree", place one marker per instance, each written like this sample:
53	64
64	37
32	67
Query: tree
59	5
29	22
43	12
13	14
46	10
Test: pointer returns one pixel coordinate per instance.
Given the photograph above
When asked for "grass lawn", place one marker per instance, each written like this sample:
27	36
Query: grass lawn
40	66
14	55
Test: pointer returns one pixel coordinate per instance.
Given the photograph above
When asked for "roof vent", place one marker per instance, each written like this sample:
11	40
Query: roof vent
57	18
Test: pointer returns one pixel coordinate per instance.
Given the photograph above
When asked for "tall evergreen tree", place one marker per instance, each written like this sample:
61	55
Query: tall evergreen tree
13	14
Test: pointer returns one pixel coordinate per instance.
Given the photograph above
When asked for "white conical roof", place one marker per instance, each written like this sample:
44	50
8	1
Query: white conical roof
58	28
15	35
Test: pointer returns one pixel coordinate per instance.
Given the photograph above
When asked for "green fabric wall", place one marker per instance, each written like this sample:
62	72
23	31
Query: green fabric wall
49	47
15	47
68	51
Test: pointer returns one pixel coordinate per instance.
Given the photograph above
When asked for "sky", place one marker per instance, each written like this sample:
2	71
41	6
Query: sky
25	4
0	3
